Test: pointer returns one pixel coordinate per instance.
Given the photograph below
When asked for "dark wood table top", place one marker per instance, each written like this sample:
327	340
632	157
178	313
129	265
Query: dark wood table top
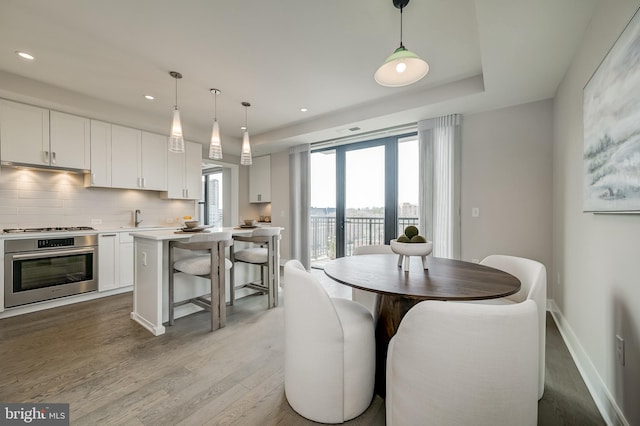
446	279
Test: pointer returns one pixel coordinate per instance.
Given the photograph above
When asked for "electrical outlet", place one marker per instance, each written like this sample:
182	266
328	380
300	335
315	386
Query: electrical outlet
620	349
96	222
144	258
169	220
475	212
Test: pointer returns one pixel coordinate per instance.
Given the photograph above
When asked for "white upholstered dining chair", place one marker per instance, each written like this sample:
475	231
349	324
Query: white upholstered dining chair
533	286
202	255
454	364
329	350
369	299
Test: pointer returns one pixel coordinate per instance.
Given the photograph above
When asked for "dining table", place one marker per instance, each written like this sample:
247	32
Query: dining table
400	290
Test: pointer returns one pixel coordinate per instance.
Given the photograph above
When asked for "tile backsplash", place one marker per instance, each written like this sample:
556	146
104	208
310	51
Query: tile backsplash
35	198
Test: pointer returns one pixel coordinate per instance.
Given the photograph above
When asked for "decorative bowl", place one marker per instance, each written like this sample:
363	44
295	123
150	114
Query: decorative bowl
411	249
192	223
250	222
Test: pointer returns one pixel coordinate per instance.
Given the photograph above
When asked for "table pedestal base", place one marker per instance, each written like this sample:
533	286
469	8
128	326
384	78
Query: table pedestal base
391	310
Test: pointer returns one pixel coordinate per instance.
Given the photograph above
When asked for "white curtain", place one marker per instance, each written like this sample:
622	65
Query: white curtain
440	142
300	190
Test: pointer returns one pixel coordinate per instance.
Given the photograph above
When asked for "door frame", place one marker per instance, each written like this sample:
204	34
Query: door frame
390	144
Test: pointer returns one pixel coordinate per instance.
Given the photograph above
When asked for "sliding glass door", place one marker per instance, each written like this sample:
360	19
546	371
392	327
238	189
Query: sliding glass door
362	214
355	195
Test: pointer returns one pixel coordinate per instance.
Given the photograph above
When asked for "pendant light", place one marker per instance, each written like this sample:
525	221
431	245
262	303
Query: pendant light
215	147
403	67
176	141
245	155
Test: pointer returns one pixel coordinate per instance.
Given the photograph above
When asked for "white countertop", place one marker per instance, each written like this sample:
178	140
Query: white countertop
62	234
172	234
150	232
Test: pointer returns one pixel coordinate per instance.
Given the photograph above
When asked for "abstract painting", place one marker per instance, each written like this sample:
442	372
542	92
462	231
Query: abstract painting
612	128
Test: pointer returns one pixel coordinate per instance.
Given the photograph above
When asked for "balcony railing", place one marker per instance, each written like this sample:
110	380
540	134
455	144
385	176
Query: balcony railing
359	231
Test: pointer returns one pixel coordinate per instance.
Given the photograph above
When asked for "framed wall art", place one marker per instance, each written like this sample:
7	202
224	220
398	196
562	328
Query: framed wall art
611	118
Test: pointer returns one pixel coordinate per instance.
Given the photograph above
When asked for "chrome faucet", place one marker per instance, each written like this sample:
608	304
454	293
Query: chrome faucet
137	220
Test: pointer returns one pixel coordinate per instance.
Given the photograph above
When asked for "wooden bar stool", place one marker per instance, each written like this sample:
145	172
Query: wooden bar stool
203	256
266	254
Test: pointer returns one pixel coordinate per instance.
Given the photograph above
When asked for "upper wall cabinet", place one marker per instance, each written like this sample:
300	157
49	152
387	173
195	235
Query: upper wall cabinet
70	141
260	180
185	173
125	157
138	159
153	161
100	155
24	134
29	137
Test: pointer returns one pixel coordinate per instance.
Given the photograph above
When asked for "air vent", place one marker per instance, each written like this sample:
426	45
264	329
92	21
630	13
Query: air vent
354	129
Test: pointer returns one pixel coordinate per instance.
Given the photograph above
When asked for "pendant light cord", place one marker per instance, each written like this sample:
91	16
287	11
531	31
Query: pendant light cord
215	106
177	86
401	45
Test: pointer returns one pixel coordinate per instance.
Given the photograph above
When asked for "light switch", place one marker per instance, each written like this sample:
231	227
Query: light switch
475	212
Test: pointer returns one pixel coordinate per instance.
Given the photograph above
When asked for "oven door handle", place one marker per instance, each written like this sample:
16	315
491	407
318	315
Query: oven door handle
52	253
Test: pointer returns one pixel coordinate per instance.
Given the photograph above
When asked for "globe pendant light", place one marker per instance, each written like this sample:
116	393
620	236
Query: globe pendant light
245	155
176	141
215	147
403	67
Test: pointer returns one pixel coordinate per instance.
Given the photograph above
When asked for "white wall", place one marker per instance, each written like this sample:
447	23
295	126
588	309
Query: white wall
507	173
280	199
33	198
596	286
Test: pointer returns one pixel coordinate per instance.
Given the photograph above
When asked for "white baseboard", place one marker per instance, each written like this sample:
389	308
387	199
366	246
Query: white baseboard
609	409
62	301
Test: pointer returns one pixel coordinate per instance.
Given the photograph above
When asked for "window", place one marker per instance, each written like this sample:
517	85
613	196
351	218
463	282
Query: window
362	193
211	206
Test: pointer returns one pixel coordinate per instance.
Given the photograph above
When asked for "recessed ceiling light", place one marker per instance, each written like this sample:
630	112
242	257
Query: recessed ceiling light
243	128
149	97
303	110
25	55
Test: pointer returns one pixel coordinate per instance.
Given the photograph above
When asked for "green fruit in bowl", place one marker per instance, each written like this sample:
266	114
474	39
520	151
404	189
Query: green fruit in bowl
403	239
410	231
418	239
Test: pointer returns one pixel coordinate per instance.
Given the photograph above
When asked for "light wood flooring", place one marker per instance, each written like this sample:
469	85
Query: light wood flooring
113	372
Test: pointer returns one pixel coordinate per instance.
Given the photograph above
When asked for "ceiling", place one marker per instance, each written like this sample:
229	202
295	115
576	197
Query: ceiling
281	56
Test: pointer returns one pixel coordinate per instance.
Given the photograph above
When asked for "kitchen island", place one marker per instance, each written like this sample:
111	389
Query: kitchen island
151	277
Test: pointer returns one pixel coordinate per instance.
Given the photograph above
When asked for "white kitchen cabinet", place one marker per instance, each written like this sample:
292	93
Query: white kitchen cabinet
24	134
70	141
108	261
125	157
138	159
153	162
184	173
193	170
126	259
260	180
115	260
38	137
100	174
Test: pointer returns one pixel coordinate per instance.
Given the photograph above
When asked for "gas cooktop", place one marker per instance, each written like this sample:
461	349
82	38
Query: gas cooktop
52	229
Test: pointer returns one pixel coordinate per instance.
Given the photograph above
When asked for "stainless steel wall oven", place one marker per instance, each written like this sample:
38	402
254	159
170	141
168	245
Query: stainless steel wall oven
44	268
